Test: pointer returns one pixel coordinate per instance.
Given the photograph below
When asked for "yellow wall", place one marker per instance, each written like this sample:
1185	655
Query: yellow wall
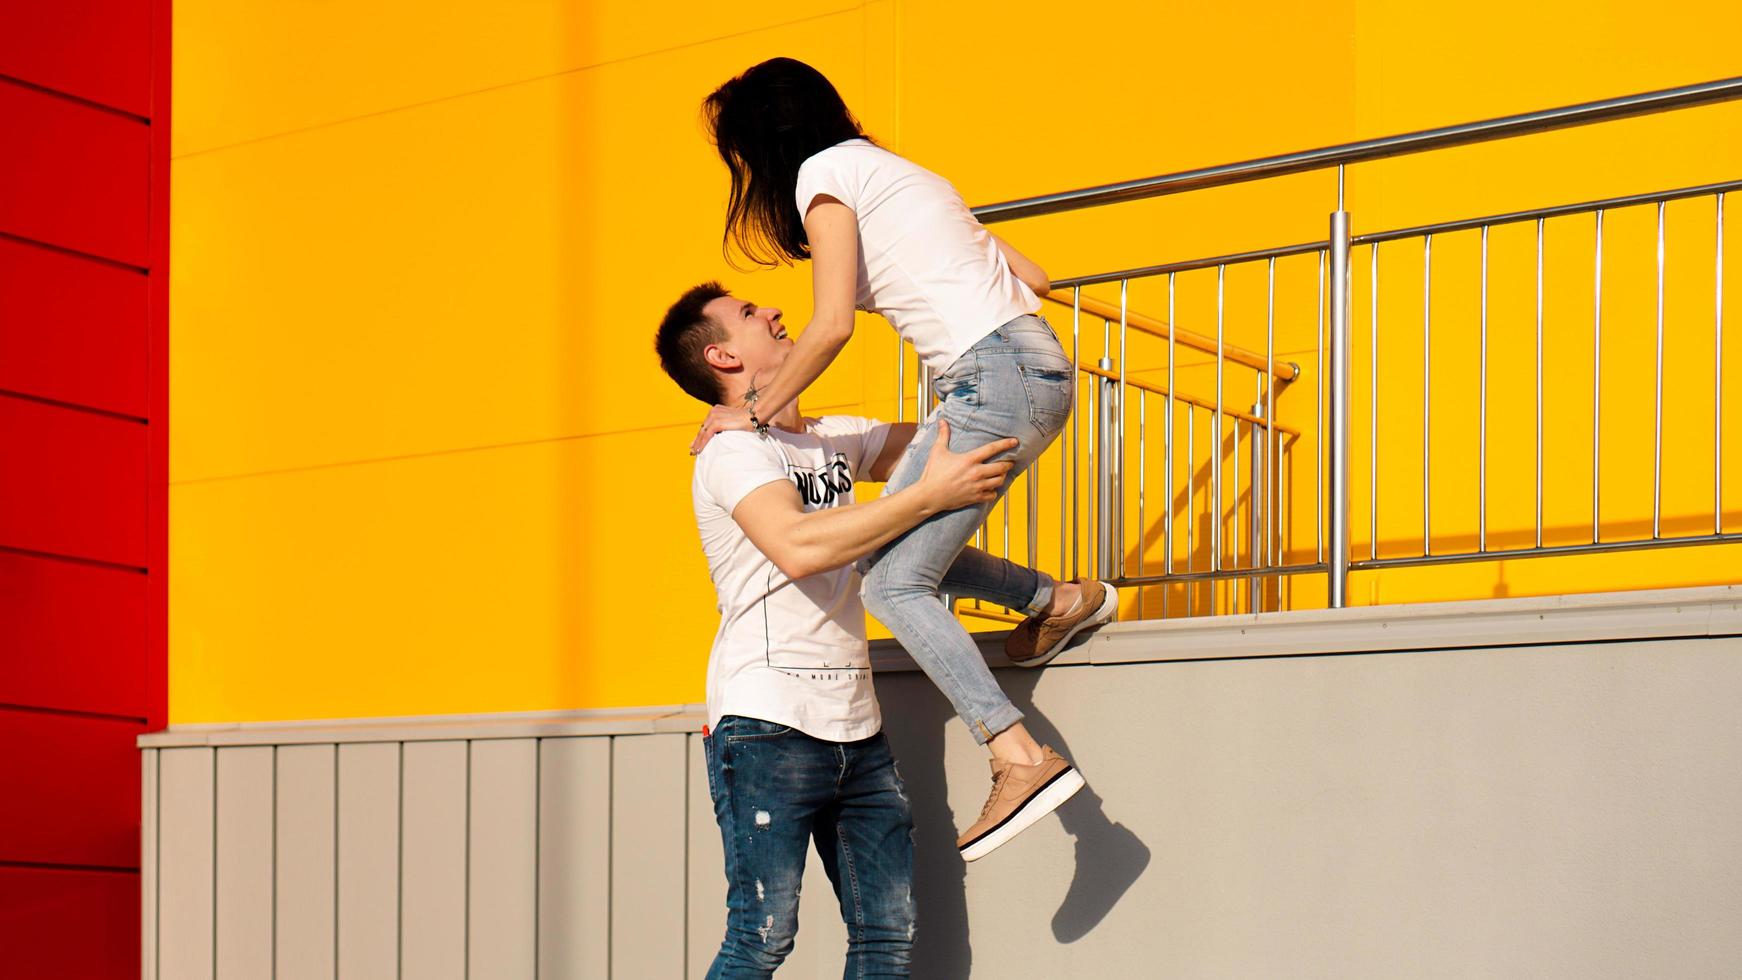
423	460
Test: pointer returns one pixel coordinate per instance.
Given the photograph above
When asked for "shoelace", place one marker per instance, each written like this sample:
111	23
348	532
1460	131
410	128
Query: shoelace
997	785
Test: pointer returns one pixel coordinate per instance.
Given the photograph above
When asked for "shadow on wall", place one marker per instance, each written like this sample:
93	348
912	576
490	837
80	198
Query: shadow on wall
1109	857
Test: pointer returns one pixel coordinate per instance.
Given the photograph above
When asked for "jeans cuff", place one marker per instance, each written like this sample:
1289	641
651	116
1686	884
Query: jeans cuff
1042	594
995	722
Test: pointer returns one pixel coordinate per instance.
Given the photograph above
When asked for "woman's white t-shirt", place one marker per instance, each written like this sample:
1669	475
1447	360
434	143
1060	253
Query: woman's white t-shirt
926	264
790	652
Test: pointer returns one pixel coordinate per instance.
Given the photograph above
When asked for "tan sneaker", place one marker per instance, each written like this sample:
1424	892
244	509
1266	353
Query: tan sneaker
1038	639
1020	796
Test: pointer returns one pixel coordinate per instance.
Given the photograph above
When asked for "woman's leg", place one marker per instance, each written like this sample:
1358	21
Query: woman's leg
1017	383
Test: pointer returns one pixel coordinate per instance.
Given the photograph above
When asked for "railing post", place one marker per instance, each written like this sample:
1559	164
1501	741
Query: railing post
1260	534
1338	378
1107	480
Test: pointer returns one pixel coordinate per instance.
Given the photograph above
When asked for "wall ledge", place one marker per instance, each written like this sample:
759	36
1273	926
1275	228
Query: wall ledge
1702	611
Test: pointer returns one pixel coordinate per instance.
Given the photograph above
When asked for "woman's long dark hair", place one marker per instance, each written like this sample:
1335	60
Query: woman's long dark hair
765	123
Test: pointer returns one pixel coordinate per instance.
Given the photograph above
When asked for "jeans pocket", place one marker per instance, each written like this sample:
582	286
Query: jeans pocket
961	381
737	728
1049	389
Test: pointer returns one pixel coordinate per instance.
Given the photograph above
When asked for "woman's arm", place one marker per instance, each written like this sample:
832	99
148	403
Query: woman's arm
1026	269
833	230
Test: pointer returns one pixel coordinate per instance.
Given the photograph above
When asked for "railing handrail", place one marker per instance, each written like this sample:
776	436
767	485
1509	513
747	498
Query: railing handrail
1543	120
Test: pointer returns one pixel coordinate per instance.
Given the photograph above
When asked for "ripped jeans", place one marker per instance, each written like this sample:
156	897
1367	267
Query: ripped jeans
1016	381
775	789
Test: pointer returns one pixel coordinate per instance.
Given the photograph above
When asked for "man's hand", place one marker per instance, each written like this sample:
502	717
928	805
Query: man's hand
955	480
721	418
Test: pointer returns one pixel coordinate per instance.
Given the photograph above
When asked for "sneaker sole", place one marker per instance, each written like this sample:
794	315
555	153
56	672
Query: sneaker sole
1109	604
1063	786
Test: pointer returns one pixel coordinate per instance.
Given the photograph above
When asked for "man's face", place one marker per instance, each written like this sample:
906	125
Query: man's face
756	340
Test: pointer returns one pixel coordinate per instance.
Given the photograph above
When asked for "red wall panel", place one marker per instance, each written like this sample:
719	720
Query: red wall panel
75	176
72	636
68	925
72	790
73	482
94	49
72	329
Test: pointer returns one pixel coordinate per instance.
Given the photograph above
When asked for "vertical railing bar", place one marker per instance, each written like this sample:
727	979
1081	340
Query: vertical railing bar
1234	561
1216	440
1076	439
1319	427
1539	292
1119	471
1718	381
1142	459
900	381
1034	515
1373	407
1269	401
1427	251
1597	389
1191	506
1106	503
1657	398
1006	508
1093	559
1337	574
1482	410
1167	531
1253	497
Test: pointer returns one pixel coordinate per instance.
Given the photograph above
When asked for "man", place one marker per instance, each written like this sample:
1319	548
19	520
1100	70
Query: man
794	742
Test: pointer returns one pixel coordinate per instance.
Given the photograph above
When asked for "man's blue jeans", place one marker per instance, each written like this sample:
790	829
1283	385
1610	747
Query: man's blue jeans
775	789
1017	382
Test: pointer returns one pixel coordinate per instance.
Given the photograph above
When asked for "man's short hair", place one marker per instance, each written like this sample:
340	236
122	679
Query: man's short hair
683	335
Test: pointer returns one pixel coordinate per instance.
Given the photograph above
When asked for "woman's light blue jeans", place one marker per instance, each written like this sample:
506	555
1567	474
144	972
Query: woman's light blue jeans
1015	382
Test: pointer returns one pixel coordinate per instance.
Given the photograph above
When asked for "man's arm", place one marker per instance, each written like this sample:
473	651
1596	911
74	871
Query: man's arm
802	544
894	444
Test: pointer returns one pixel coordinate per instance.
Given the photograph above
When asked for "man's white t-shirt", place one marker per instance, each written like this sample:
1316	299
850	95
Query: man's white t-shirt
926	264
789	652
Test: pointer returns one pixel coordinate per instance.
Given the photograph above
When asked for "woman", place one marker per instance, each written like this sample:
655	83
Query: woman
888	236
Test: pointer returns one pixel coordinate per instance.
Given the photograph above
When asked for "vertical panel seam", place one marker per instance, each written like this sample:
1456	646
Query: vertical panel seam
214	802
537	847
275	862
611	858
466	889
689	757
335	860
157	865
399	876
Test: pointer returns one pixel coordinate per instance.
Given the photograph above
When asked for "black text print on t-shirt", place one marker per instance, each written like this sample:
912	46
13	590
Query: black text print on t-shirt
820	487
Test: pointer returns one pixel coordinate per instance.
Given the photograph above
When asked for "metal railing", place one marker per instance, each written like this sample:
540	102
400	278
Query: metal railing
1262	552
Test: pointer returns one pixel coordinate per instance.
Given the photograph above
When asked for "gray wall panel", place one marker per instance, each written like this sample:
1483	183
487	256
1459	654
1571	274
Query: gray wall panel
186	853
574	879
369	859
648	790
433	880
1498	813
705	877
306	861
244	849
503	891
148	863
1555	811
